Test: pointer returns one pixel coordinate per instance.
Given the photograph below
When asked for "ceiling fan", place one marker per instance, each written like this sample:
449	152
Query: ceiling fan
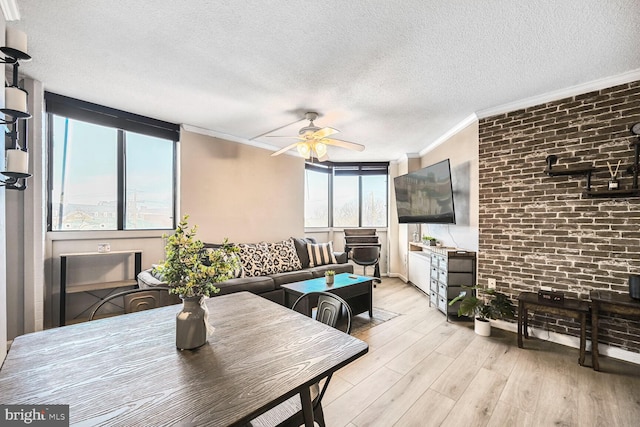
313	141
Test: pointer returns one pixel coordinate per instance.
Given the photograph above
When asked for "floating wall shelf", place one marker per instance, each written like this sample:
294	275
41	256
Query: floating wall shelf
588	169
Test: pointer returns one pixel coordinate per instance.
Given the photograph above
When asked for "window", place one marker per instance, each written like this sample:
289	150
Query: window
109	170
346	201
374	200
316	199
354	193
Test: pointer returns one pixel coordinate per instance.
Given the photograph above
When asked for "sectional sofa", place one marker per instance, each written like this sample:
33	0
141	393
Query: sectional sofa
267	266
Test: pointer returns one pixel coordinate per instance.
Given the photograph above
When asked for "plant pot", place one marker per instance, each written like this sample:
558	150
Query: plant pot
482	327
329	279
191	327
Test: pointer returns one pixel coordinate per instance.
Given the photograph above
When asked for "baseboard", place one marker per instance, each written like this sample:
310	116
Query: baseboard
399	276
570	341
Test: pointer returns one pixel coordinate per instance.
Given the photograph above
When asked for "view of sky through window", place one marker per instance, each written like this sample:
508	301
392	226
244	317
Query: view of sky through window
85	178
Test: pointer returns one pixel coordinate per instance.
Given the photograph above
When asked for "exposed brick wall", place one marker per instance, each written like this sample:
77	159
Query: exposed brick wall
540	230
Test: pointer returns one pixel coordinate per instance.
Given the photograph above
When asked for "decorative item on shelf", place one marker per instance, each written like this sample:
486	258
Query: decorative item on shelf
16	167
634	286
498	307
191	272
429	241
329	276
613	183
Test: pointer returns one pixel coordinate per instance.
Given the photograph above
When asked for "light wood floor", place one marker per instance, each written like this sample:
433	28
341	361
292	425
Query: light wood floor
422	371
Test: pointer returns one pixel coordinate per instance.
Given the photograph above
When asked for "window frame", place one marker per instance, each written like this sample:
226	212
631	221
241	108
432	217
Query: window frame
123	122
358	169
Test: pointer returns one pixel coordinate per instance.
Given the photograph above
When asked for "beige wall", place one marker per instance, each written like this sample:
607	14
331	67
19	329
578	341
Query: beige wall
239	191
462	151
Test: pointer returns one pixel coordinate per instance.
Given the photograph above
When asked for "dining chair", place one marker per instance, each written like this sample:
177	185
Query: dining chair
331	310
367	256
137	300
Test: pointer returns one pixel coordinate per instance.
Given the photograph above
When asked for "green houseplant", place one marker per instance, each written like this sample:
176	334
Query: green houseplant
492	305
428	240
329	276
192	272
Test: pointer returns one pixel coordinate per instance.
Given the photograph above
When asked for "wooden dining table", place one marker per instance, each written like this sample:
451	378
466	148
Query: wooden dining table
126	370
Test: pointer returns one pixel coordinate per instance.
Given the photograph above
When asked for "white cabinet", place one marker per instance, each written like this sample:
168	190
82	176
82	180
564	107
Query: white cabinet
419	267
451	272
441	273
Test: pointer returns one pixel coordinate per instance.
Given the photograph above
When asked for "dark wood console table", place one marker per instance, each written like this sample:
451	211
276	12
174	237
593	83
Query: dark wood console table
610	302
570	307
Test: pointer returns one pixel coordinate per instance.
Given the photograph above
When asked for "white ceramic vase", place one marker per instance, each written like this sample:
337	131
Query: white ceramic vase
191	328
482	327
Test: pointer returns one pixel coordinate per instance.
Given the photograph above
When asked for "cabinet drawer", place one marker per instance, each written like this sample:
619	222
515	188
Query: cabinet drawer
433	298
442	304
443	264
454	291
442	290
434	273
442	276
461	264
434	285
460	279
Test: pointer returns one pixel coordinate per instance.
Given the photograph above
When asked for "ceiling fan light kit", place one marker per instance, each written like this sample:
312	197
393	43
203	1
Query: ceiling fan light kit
313	140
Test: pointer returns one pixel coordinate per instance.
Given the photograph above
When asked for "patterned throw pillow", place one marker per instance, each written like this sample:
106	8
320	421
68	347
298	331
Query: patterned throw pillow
283	257
254	258
238	272
321	254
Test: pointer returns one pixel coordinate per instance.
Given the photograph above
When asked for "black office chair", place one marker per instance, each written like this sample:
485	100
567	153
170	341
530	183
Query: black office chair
138	300
331	309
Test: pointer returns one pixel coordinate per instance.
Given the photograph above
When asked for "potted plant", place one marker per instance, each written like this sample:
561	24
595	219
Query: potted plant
499	306
329	275
191	272
428	240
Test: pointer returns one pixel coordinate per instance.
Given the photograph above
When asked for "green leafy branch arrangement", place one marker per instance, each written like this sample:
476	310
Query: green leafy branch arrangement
189	269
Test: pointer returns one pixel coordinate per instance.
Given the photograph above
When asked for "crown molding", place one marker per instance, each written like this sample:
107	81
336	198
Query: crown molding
10	10
591	86
454	130
232	138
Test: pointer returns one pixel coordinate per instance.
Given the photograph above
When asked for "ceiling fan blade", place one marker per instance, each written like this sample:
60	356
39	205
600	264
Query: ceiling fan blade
324	132
344	144
283	136
285	149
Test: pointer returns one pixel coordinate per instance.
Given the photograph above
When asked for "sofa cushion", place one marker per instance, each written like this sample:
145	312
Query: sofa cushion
338	268
321	254
238	272
291	276
282	257
156	274
256	285
254	258
147	280
301	248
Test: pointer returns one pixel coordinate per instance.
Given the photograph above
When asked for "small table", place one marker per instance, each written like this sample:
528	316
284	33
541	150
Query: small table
126	370
357	291
64	289
611	302
570	307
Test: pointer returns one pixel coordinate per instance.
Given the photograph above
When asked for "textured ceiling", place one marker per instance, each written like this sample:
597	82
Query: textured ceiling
392	75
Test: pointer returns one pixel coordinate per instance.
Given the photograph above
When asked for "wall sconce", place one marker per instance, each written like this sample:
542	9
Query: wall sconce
16	167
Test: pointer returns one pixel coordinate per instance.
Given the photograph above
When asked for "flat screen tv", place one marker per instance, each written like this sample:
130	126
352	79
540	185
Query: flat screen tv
426	196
